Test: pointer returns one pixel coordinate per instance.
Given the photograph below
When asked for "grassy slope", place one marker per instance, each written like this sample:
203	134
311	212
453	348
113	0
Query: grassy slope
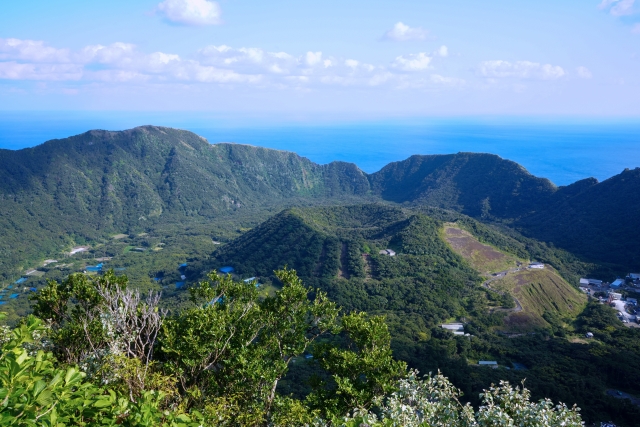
538	291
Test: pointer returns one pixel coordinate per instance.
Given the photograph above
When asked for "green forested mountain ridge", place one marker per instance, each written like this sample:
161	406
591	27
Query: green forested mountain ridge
472	183
73	190
67	191
598	220
594	219
425	284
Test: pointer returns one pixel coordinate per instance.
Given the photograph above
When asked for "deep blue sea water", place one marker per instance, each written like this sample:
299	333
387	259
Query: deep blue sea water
563	150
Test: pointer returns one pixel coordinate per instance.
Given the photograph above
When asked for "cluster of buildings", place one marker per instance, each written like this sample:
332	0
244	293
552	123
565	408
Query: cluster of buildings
632	280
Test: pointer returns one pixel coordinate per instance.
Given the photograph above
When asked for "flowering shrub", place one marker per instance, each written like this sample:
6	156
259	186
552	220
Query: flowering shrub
434	402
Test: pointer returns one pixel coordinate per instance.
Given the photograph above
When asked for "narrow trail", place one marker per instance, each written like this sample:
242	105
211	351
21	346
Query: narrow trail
367	266
500	275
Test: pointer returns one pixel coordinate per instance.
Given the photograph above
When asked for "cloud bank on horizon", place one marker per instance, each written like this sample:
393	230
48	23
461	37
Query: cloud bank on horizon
185	52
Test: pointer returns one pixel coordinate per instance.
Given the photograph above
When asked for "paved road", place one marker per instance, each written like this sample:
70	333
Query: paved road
500	275
631	319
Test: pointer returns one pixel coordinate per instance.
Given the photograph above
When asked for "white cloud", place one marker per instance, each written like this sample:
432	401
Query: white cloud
442	51
380	78
313	58
249	60
520	70
112	54
351	63
31	50
117	76
618	7
452	81
413	62
402	32
55	72
123	63
584	72
216	75
190	12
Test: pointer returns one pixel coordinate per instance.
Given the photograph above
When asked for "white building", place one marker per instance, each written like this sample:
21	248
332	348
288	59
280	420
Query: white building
389	252
584	281
537	265
456	328
615	296
634	276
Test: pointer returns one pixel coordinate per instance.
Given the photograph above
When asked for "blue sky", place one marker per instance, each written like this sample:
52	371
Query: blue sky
357	59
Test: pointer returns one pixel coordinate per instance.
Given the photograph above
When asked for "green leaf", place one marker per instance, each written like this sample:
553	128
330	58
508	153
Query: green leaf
45	398
103	403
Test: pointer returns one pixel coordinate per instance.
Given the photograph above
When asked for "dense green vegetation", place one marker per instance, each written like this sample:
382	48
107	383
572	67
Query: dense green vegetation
81	189
150	199
73	191
425	284
111	357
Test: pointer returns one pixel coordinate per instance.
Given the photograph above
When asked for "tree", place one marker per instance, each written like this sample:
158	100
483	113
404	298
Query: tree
231	349
73	309
108	329
360	371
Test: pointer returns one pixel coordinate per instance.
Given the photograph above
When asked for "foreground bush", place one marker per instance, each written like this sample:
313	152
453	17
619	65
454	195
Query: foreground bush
434	402
219	362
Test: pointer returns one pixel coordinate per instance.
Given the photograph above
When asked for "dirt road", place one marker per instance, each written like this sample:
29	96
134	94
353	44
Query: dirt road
500	275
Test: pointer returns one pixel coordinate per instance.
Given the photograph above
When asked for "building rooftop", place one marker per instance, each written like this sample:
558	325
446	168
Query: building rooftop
617	282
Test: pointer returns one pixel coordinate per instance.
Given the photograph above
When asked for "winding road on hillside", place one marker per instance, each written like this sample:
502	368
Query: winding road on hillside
500	275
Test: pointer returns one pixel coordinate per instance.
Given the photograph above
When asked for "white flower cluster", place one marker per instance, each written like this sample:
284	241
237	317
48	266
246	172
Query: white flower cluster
434	402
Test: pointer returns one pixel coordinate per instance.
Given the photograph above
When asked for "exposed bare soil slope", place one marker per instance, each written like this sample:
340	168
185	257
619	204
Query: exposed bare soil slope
484	258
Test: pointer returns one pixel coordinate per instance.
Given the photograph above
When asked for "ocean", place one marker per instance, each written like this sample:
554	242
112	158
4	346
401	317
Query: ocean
562	150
